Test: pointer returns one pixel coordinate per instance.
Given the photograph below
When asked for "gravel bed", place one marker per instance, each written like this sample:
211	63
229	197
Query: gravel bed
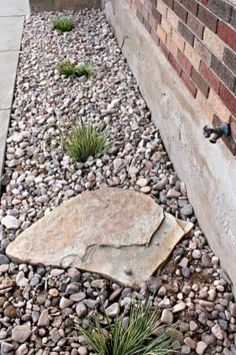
37	304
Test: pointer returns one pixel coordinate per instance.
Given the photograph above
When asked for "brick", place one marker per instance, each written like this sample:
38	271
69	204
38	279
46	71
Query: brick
222	72
228	99
209	77
230	59
172	46
152	22
204	2
190	5
172	19
184	62
164	49
208	18
155	37
214	43
192	55
147	26
233	18
156	14
203	102
202	51
178	39
140	16
227	34
169	3
200	82
148	5
139	6
162	8
175	64
189	84
161	33
196	26
218	107
166	26
221	8
186	33
144	13
180	11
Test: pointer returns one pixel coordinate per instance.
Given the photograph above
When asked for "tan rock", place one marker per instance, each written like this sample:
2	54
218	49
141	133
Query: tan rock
108	231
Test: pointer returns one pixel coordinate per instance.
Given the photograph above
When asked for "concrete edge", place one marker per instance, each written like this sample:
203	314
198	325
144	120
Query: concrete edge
5	122
5	116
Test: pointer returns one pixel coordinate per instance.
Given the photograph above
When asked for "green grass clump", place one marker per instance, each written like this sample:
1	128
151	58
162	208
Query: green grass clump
63	24
85	141
144	334
68	68
85	69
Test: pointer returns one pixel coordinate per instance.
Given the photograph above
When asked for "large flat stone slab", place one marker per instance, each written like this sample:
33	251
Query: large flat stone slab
11	31
121	234
8	66
14	7
4	123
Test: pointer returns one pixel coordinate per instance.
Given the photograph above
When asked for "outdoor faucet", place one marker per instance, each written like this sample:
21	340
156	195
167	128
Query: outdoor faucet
216	132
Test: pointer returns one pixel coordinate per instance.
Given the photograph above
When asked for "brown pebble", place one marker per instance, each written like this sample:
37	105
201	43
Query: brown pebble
42	297
10	311
53	292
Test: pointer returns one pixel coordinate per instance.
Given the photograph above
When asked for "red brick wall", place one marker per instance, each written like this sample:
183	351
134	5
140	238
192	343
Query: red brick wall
198	38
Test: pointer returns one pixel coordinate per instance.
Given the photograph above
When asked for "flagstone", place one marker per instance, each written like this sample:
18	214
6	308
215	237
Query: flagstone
121	234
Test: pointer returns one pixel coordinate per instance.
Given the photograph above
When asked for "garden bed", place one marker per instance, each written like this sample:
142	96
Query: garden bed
40	175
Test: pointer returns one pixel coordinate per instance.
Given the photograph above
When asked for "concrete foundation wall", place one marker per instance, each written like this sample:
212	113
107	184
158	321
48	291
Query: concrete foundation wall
59	5
208	170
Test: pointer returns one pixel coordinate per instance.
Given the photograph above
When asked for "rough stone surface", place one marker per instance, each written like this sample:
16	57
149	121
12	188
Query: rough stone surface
10	222
43	319
21	333
103	231
217	332
201	347
113	310
167	317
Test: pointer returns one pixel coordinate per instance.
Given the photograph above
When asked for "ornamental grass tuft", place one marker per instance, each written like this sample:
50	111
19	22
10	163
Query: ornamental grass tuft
84	141
143	335
63	24
68	68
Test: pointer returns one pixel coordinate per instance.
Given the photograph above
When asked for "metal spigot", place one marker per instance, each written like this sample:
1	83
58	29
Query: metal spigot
216	132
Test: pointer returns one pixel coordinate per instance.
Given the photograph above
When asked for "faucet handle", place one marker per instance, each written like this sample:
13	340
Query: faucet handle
216	132
207	131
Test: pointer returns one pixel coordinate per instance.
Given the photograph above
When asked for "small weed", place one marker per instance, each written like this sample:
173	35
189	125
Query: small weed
68	68
143	335
85	69
85	141
63	24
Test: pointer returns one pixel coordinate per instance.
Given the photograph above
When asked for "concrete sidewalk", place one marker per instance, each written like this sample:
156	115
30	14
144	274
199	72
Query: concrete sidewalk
12	14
